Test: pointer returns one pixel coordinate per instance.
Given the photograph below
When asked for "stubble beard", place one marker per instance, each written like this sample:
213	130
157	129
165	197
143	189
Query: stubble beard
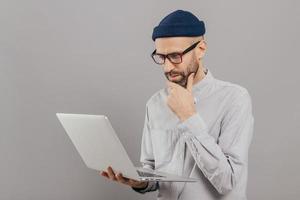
192	68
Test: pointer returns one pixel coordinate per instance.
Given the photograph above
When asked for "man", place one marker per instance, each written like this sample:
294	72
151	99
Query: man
197	126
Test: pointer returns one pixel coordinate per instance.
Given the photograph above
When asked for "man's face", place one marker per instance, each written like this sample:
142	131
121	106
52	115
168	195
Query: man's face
178	73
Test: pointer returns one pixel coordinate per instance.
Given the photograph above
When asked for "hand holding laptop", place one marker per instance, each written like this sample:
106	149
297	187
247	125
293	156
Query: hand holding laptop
120	179
99	147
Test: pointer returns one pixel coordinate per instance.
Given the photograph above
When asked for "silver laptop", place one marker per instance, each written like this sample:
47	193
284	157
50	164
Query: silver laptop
100	147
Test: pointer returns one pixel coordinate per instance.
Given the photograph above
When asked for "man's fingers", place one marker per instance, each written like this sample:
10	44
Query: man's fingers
121	179
118	177
111	173
126	181
190	81
132	182
103	173
170	90
171	84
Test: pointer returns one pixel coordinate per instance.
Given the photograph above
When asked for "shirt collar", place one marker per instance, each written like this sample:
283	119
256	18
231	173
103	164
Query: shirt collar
208	78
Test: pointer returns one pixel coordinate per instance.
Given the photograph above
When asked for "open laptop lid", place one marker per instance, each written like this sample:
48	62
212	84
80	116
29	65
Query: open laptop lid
97	143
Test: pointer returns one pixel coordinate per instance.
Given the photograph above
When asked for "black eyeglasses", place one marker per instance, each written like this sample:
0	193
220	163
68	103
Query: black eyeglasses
175	58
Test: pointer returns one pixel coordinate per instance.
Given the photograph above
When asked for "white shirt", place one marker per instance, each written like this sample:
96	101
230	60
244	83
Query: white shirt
211	145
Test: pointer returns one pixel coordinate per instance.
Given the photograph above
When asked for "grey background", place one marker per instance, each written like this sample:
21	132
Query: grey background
93	57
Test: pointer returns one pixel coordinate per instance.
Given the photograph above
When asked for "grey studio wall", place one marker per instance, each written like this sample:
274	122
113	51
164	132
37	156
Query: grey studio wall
93	57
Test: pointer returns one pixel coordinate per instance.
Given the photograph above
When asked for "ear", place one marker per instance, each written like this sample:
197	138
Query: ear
201	49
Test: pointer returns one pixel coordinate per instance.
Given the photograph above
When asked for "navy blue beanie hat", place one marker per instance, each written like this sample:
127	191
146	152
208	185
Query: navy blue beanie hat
179	23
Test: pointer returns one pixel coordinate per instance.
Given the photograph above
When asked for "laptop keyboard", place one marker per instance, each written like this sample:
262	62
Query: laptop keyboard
147	174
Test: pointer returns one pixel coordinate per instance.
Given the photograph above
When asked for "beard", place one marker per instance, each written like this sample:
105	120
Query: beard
183	75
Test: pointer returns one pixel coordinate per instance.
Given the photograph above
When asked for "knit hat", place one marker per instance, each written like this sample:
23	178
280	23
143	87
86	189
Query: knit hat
179	23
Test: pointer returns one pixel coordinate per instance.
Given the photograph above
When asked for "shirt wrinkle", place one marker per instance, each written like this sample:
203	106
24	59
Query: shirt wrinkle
211	145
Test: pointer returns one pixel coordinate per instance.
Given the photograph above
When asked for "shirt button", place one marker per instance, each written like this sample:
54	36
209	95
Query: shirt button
185	135
195	100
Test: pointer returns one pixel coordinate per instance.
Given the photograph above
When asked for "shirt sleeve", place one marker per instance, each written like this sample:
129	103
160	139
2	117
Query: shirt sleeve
222	161
147	158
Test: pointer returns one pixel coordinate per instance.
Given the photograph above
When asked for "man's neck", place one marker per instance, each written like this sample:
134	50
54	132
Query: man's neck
200	73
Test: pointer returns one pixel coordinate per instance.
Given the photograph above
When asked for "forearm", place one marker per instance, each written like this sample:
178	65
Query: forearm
220	165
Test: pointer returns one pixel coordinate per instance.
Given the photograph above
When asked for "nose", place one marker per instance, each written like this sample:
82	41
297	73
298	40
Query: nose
168	66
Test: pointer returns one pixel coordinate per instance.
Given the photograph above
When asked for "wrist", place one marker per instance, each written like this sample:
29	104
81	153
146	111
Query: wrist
186	116
142	185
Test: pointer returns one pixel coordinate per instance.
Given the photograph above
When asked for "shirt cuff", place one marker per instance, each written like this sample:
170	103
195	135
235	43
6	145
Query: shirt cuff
195	125
151	186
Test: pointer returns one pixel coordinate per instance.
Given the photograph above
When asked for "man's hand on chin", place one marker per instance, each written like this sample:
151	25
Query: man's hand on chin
181	100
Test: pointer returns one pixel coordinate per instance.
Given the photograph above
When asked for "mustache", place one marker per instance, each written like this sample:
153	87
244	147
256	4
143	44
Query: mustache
183	81
172	73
